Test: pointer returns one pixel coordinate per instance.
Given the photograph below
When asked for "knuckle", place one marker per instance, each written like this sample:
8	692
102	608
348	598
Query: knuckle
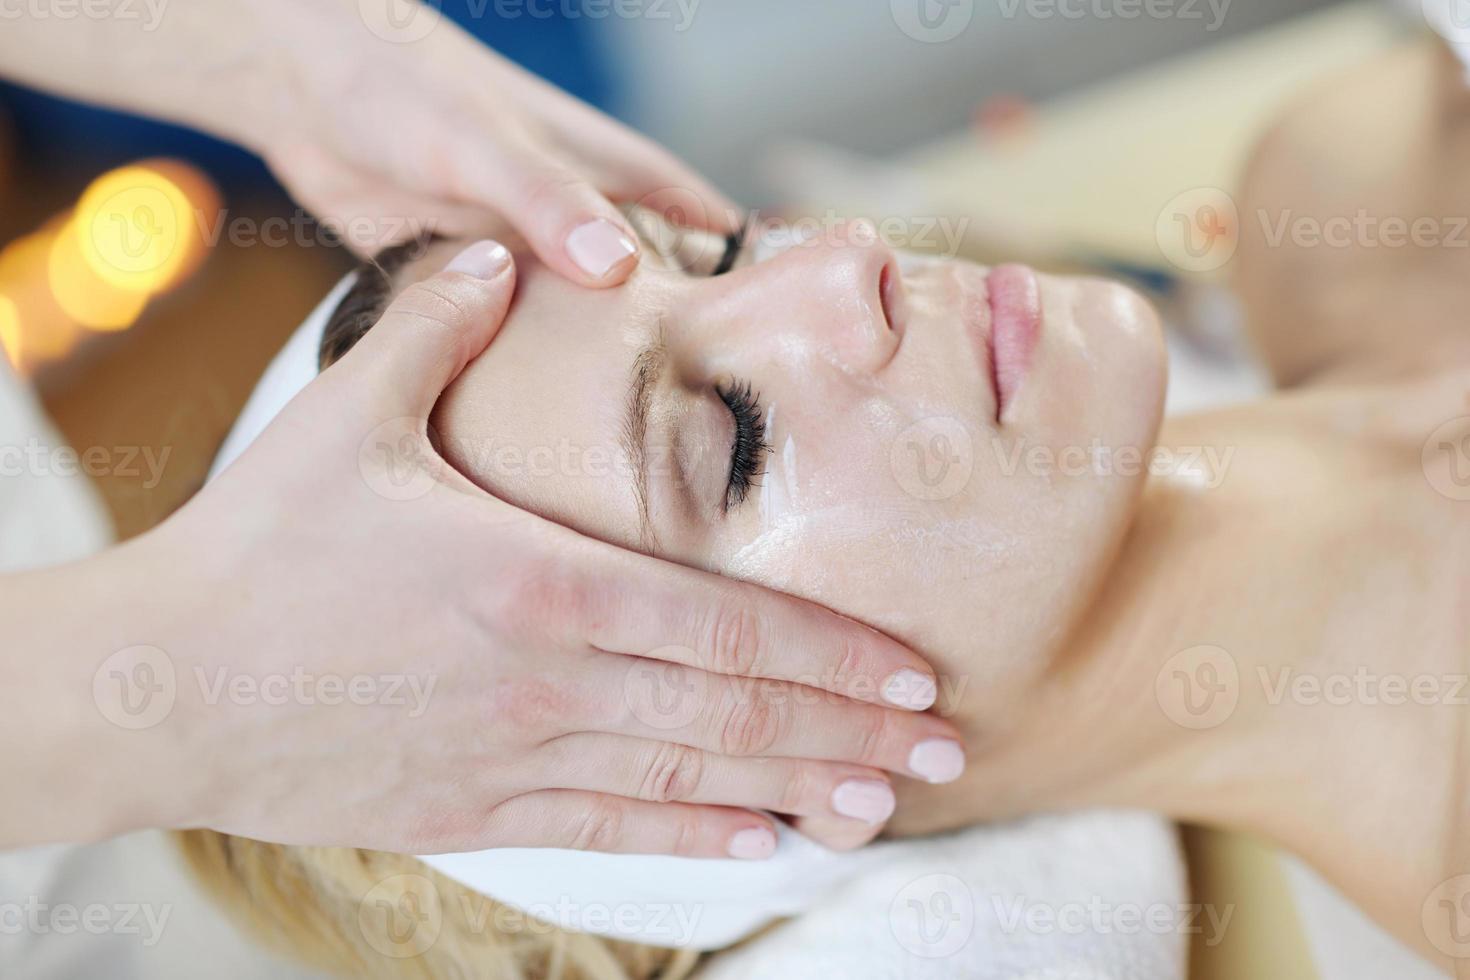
547	190
851	659
674	775
873	736
599	828
798	790
686	835
736	639
544	599
752	725
433	304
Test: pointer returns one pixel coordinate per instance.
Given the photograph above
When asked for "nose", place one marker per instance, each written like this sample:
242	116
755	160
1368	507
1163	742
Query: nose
837	293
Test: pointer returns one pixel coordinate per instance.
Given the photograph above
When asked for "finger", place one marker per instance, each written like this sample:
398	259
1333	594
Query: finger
633	168
835	833
431	331
603	822
746	717
626	163
681	615
667	772
568	223
361	208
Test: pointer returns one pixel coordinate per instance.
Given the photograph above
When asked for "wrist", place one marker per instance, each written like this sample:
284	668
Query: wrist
125	734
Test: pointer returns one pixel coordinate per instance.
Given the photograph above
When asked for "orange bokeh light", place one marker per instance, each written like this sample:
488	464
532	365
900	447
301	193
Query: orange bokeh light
136	232
45	332
85	296
10	331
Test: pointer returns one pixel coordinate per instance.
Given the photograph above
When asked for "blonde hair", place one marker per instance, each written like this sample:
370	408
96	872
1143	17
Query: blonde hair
389	916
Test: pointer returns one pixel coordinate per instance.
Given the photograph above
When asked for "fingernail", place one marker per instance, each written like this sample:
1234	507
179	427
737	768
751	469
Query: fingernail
868	800
483	260
908	688
599	245
939	760
753	844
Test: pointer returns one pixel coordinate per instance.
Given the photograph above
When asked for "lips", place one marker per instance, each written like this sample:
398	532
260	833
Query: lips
1014	295
1001	311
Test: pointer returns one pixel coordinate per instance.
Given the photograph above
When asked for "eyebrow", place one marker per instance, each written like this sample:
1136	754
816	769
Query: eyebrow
648	368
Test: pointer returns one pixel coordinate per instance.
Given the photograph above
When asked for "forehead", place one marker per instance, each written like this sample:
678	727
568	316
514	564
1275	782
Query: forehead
539	418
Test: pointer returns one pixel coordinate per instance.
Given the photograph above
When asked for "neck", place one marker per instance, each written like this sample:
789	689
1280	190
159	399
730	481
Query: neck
1138	711
1262	657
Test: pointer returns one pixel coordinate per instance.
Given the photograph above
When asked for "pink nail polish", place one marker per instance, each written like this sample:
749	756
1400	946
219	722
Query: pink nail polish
907	688
753	844
868	800
939	760
483	260
598	246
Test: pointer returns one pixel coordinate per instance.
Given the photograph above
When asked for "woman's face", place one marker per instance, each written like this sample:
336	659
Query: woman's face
931	447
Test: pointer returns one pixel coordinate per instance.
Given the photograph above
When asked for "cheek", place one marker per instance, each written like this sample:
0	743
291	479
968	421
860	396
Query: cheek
984	581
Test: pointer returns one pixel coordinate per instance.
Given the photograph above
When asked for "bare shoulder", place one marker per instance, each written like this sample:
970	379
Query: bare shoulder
1355	223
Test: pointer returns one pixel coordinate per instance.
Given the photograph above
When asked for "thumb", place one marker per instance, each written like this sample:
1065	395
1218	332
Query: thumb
569	223
431	331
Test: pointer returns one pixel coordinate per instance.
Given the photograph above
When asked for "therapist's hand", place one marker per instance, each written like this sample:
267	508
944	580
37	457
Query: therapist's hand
382	116
516	684
377	122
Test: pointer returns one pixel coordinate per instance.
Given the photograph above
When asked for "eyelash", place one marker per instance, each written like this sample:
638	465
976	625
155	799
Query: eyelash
734	245
749	449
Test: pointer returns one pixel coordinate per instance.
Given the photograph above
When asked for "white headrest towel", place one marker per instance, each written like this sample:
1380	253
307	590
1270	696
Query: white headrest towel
877	902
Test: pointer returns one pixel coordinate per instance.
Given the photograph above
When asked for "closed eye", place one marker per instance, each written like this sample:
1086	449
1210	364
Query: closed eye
748	449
